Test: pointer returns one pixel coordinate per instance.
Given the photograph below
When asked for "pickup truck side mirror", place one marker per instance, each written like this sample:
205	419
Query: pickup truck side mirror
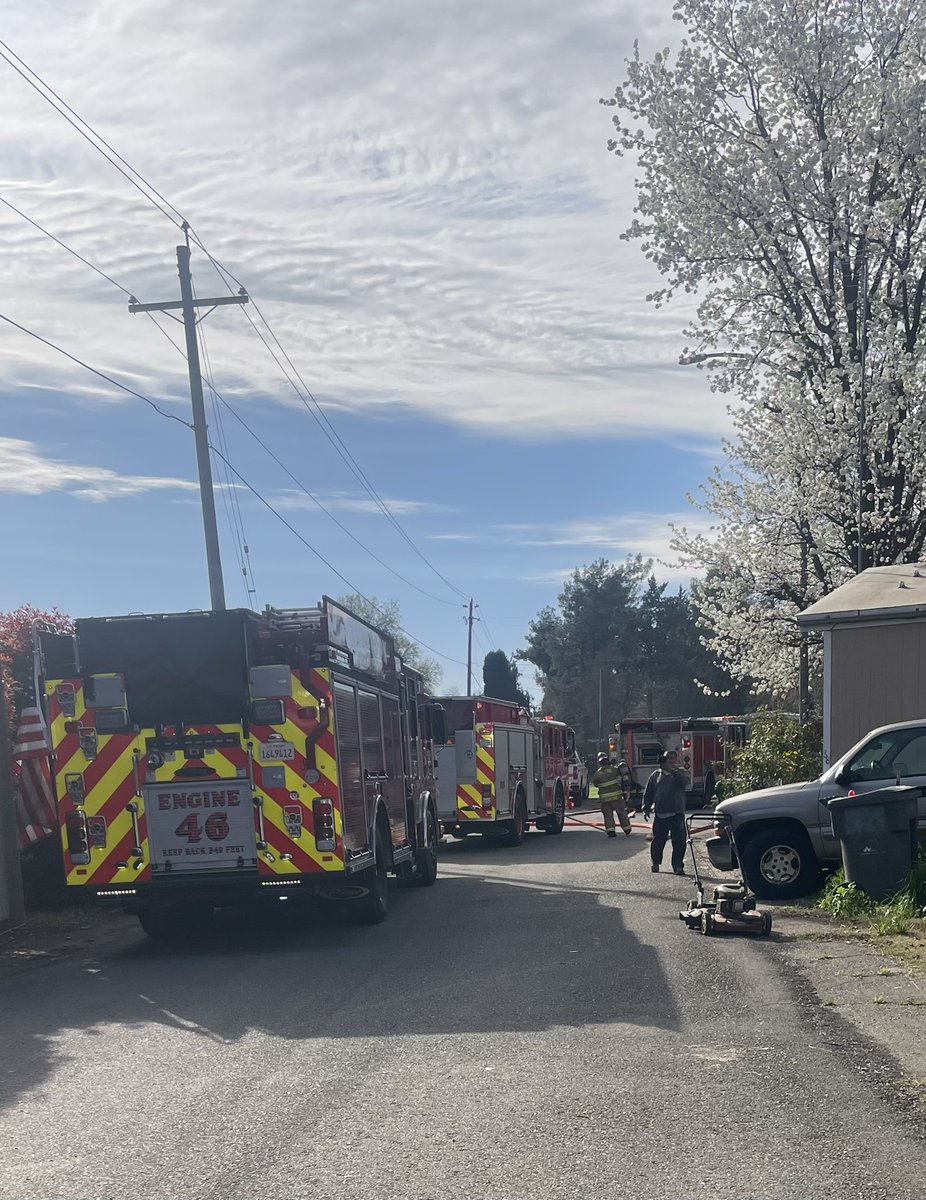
842	776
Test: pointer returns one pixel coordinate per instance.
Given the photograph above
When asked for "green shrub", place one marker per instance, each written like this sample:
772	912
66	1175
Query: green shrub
780	750
844	900
848	903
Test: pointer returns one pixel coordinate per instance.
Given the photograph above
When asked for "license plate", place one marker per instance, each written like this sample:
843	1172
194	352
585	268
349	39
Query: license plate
276	752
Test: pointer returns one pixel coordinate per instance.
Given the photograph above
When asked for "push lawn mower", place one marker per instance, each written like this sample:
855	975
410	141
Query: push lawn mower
731	908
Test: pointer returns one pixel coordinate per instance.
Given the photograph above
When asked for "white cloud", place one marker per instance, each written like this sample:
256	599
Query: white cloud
25	471
418	194
645	533
292	499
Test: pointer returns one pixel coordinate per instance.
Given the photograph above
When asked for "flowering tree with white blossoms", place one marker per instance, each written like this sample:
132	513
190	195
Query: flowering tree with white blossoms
782	177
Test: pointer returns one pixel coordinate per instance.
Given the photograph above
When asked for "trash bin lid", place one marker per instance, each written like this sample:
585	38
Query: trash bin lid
879	797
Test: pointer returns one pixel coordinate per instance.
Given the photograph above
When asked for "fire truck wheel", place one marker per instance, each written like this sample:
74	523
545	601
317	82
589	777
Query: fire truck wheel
425	874
176	924
371	907
555	823
517	828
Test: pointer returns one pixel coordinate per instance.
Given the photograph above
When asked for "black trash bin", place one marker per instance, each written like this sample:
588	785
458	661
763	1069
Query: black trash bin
877	835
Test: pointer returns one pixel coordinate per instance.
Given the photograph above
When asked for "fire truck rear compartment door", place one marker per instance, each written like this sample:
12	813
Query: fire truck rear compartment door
504	783
445	773
466	756
200	825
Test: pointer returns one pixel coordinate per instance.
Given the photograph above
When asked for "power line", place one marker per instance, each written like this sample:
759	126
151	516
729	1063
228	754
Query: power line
229	492
65	246
96	140
330	565
301	486
159	201
250	487
320	416
93	370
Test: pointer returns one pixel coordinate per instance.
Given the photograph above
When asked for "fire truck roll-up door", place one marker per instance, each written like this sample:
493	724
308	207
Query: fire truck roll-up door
445	773
514	764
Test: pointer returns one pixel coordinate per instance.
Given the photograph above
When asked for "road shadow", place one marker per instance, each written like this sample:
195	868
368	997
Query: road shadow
577	843
475	954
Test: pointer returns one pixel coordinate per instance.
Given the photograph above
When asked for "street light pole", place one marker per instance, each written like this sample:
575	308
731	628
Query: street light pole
600	725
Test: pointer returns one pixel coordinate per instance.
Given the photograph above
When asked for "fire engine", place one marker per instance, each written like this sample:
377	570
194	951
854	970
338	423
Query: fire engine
703	748
500	770
209	758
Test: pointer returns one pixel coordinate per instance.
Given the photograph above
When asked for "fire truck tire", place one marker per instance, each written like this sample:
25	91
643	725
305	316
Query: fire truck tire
517	828
555	823
372	906
425	871
176	924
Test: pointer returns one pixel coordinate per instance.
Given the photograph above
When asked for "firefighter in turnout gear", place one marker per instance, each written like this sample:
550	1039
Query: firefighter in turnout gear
610	782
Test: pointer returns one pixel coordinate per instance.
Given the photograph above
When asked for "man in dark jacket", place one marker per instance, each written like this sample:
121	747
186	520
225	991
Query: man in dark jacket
665	794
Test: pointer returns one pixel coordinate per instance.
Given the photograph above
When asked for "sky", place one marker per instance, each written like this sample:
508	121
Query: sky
420	199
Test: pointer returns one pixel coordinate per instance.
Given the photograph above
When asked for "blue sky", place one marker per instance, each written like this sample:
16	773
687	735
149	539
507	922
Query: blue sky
420	198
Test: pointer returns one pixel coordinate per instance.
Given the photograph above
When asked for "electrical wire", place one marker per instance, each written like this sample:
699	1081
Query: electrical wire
159	201
65	246
96	140
321	417
266	503
93	370
301	486
173	214
238	475
229	491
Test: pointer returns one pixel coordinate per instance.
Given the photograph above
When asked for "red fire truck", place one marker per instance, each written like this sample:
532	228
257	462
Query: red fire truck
703	748
501	770
210	758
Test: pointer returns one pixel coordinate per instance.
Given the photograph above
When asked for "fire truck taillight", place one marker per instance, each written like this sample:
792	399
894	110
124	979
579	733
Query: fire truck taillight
323	819
686	743
75	824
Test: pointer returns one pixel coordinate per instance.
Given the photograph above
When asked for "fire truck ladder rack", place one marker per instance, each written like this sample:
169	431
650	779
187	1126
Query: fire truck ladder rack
293	618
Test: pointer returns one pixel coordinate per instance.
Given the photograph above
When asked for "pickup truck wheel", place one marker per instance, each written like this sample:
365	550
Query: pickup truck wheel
779	864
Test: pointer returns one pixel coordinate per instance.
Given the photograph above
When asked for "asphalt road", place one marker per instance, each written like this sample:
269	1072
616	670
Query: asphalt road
539	1025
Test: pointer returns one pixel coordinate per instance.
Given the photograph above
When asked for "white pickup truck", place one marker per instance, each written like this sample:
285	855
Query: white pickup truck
578	779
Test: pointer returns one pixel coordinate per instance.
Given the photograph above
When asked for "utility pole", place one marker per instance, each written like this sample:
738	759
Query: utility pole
469	649
188	306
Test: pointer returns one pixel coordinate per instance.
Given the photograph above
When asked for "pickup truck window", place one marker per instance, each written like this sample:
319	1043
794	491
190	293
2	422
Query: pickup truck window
883	756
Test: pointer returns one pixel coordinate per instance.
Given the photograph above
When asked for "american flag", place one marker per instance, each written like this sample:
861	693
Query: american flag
35	800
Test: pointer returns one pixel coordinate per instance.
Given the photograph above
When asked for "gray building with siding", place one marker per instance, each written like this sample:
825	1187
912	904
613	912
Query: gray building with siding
874	653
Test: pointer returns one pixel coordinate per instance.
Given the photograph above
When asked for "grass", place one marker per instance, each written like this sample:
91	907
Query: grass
898	925
902	915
